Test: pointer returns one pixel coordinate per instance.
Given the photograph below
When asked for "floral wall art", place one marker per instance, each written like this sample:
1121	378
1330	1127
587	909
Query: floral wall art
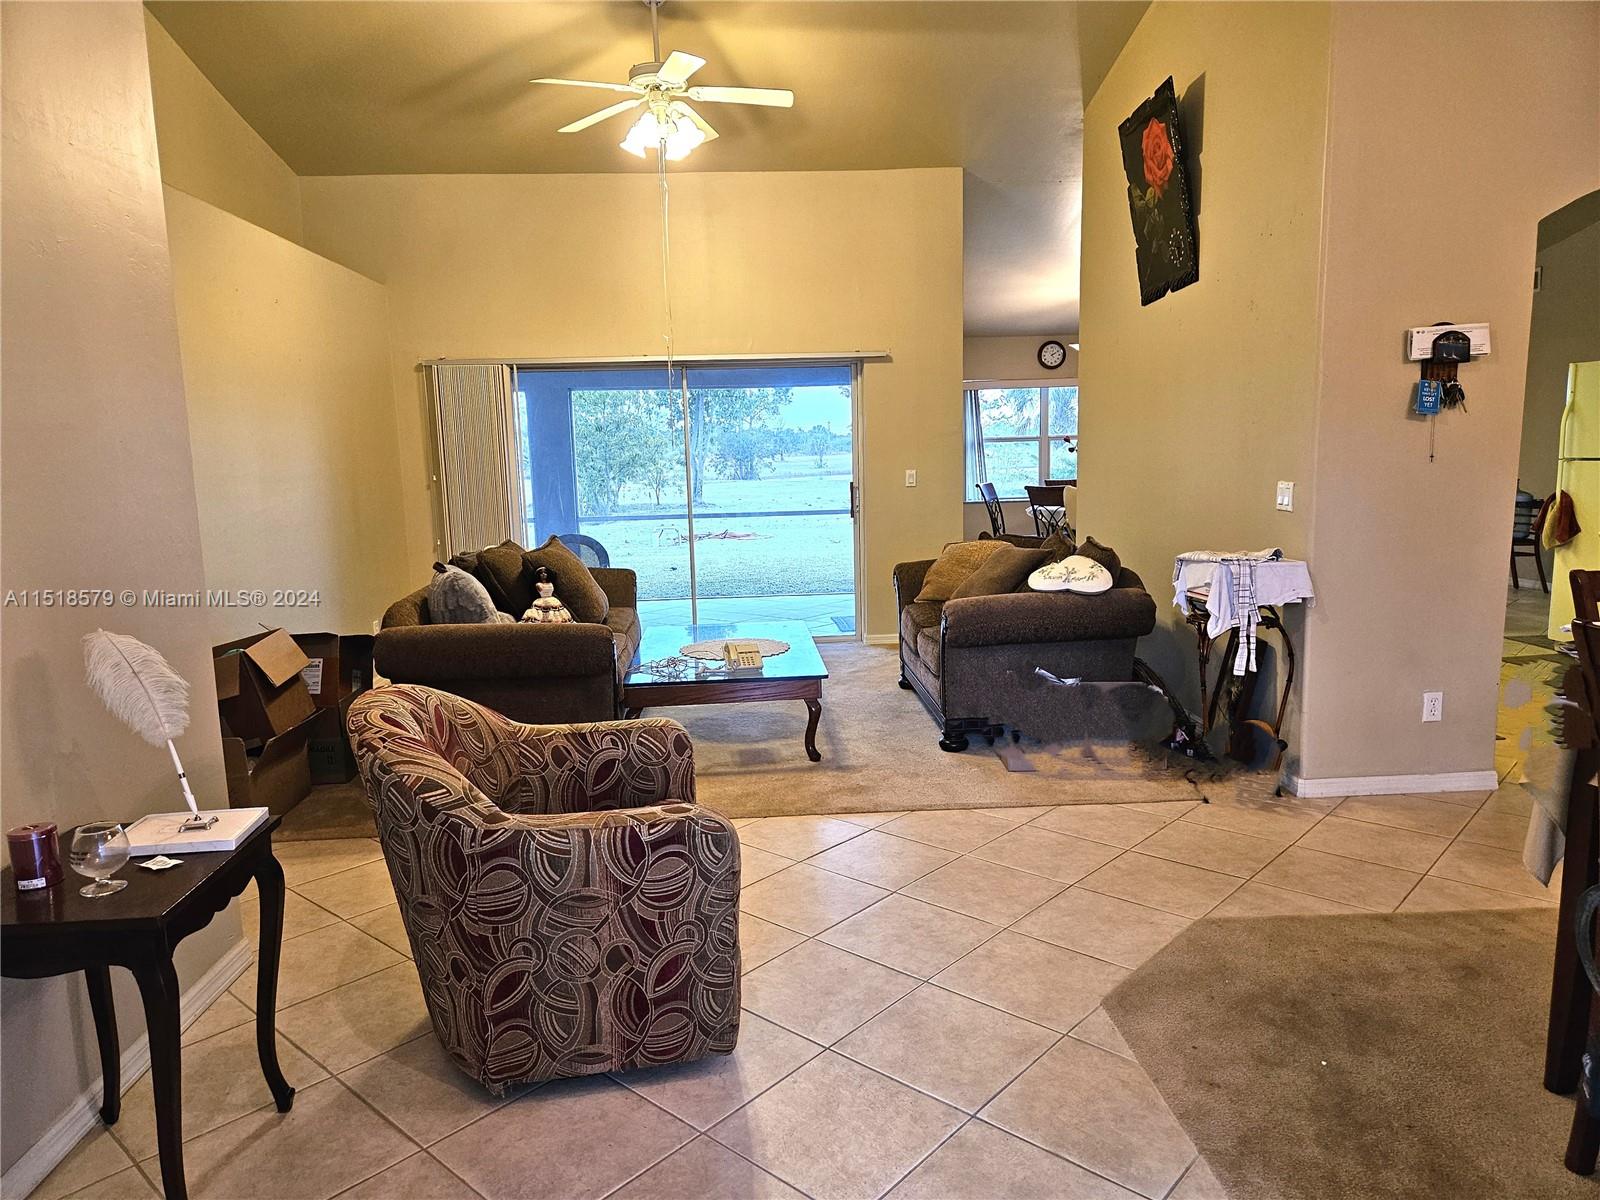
1158	197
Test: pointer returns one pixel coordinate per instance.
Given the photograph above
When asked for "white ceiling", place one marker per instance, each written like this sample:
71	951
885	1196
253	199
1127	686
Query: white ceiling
387	87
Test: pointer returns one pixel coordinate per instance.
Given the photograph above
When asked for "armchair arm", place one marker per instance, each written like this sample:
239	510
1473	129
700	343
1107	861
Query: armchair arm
908	577
620	584
1023	618
607	765
442	653
408	610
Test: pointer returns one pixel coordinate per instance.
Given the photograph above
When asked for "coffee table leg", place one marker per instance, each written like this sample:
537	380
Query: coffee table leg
269	883
98	979
158	986
814	707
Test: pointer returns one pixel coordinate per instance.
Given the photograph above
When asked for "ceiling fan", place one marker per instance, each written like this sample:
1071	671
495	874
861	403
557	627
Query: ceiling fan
660	89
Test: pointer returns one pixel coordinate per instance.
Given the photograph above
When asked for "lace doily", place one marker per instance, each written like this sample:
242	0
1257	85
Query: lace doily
769	647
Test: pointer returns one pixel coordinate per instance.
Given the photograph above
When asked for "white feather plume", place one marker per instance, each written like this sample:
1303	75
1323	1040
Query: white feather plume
137	685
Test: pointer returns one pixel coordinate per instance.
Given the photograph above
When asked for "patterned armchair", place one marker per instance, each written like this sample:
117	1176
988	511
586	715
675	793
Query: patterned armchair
570	908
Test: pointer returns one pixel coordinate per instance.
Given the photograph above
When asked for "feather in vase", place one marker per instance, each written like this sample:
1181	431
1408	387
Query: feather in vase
140	687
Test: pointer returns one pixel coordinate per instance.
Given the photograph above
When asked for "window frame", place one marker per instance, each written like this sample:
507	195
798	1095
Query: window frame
1041	439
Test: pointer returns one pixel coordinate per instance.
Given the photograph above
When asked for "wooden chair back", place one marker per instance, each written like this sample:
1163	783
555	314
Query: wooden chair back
991	501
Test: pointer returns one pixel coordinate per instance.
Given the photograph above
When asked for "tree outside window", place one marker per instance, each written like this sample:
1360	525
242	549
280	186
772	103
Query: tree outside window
1025	432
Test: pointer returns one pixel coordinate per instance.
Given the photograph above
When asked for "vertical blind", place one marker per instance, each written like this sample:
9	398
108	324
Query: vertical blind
477	430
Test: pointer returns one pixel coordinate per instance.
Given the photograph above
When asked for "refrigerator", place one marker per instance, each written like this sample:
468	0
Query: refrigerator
1578	474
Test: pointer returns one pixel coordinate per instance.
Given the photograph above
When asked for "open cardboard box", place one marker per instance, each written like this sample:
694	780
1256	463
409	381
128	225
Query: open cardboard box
332	760
260	692
276	779
339	665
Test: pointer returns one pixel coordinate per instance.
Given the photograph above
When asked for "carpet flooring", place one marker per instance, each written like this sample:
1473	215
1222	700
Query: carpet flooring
1383	1056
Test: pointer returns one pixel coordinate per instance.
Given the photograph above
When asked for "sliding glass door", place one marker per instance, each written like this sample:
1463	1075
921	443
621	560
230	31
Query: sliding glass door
729	490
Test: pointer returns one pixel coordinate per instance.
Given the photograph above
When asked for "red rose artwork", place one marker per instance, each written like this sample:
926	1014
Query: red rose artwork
1157	156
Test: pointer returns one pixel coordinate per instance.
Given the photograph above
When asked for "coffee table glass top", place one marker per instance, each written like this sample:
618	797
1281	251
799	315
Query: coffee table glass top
800	661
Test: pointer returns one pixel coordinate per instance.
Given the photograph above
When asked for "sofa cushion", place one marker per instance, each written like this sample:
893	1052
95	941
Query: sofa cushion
952	567
625	632
1003	571
928	648
1104	555
456	598
585	599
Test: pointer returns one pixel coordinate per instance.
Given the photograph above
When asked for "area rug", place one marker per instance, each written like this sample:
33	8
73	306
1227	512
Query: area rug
1373	1056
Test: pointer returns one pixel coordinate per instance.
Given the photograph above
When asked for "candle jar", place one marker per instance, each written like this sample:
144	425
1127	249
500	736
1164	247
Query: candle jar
35	856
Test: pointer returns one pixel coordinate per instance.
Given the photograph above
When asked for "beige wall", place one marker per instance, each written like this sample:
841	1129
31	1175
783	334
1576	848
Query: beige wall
97	489
1196	405
1431	535
292	423
209	151
990	359
569	266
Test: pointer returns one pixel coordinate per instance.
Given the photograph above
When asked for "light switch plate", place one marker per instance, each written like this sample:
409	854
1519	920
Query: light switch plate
1285	496
911	479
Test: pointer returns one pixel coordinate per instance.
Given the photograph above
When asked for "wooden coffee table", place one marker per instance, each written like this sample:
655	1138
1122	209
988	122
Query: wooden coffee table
796	674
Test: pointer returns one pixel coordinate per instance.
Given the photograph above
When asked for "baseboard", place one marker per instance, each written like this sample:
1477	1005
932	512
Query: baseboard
83	1114
1394	785
881	639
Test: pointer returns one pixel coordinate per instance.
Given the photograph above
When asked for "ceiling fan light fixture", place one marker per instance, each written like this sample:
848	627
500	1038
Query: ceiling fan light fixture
671	135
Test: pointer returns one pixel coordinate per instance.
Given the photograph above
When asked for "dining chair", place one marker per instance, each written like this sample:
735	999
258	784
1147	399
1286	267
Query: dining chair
991	501
1526	528
1047	496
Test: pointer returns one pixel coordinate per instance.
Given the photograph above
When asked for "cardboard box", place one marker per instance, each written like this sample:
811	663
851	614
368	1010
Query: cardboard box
332	760
339	665
277	778
260	693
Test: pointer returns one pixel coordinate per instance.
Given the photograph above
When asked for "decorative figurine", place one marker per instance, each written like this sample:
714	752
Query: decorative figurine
546	609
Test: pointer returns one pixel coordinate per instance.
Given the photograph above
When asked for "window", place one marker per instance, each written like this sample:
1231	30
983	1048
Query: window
1018	436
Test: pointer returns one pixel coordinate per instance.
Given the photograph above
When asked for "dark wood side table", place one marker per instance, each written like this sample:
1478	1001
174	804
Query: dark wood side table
57	931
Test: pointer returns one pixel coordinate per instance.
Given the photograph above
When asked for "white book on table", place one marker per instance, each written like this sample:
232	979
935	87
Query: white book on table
159	833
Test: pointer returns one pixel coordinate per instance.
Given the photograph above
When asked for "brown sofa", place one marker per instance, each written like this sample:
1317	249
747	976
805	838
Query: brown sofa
972	660
539	674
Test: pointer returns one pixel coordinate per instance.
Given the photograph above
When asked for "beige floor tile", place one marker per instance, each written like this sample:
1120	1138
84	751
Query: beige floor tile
822	993
806	899
1263	900
299	916
318	962
353	892
1098	1029
909	935
878	858
1468	799
704	1092
706	1170
1513	799
1497	827
959	829
1280	822
989	891
1347	880
1039	851
949	1046
982	1162
98	1156
1158	883
1446	895
755	864
797	837
836	1130
1101	1111
869	820
327	1142
386	925
1387	845
1171	810
1033	980
572	1139
221	1080
419	1087
1198	1183
1020	815
762	941
304	861
1212	848
1491	867
1417	813
1118	931
127	1184
1114	824
420	1177
225	1013
359	1020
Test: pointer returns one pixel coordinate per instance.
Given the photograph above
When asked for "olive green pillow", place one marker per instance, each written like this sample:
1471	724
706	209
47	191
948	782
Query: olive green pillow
1059	546
951	568
1002	573
585	599
1104	555
499	568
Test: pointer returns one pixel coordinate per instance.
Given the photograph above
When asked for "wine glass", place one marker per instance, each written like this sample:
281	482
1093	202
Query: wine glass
99	850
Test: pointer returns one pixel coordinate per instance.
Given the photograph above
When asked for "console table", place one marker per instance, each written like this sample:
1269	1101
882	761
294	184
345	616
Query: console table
58	932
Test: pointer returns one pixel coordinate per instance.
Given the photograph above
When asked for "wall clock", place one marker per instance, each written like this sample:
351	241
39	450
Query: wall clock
1052	354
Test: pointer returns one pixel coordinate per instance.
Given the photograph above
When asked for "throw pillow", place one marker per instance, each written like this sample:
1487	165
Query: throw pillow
1059	545
577	588
456	598
1075	573
1002	572
952	567
501	570
1104	555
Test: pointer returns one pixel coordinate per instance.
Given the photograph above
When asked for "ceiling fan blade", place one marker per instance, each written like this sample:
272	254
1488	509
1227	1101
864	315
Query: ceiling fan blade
699	122
590	83
767	97
678	67
595	118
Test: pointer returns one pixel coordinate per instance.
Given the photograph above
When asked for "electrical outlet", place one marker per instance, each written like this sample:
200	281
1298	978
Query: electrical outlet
1433	706
911	479
1285	496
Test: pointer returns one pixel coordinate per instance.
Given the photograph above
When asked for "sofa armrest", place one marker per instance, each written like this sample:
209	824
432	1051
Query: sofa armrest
432	654
620	584
604	765
408	610
1022	618
908	577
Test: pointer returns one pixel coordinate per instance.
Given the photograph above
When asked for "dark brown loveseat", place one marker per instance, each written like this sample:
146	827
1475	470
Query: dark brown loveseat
536	674
972	660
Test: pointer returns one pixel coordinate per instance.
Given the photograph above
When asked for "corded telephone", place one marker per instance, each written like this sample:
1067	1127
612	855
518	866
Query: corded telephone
741	656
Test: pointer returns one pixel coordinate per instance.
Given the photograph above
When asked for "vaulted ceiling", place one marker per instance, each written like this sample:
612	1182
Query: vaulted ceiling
387	87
